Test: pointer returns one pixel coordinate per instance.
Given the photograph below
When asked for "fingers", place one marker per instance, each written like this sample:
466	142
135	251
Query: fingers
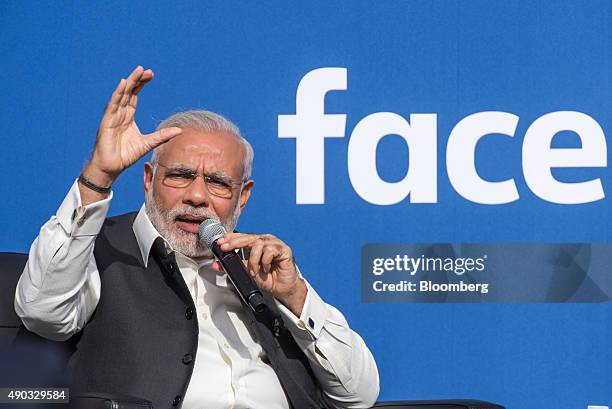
255	256
127	90
115	99
270	261
232	241
134	83
130	84
161	136
147	76
136	79
268	257
265	250
265	281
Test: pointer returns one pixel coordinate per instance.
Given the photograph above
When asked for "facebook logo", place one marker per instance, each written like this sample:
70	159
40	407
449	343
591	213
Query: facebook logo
311	125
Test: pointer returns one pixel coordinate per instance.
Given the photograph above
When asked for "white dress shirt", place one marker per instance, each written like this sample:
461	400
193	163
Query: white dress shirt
60	288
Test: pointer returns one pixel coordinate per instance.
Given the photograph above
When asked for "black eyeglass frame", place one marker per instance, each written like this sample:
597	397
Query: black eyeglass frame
190	176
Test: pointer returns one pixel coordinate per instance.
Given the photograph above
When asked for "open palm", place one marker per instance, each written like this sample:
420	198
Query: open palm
119	142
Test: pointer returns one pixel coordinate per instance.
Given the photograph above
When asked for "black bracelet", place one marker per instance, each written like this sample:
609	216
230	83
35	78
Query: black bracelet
88	184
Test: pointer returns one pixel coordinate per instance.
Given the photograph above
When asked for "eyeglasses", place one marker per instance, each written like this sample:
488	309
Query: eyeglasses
180	177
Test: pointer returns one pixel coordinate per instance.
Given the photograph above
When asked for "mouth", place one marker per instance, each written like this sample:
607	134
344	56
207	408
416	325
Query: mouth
189	223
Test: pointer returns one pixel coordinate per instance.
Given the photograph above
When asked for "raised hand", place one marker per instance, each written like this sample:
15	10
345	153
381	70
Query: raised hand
119	142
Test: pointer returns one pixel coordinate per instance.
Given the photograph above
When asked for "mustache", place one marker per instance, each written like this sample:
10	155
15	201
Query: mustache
192	211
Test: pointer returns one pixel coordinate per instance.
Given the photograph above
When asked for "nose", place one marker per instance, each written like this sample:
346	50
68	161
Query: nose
196	194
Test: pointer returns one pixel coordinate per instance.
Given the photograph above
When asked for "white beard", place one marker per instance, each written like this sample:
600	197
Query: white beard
183	241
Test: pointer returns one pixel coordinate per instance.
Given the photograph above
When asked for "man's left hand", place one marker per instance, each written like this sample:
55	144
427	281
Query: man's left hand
271	265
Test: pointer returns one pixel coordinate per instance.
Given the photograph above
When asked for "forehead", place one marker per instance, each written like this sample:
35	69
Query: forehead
205	151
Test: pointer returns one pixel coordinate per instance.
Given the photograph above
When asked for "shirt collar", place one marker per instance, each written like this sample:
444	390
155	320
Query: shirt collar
146	234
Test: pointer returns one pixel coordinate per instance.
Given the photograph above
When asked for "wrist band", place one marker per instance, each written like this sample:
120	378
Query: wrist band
90	185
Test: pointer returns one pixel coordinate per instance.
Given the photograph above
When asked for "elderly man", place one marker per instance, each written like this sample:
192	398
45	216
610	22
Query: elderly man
150	312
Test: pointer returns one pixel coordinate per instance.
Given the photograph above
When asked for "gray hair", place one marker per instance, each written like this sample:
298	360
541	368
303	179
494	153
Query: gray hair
208	121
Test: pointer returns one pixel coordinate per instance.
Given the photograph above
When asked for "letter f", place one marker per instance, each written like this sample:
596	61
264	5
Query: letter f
310	126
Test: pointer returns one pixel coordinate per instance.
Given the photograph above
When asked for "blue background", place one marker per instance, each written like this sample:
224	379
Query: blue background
60	61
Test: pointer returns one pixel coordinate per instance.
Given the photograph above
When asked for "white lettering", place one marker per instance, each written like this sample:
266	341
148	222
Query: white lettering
461	161
539	157
420	180
310	126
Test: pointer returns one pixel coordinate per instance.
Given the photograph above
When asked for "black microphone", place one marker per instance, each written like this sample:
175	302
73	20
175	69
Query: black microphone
210	231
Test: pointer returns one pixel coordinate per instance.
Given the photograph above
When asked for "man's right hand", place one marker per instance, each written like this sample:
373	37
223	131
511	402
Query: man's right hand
119	142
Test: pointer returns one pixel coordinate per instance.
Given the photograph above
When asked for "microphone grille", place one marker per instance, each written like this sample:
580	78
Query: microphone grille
210	230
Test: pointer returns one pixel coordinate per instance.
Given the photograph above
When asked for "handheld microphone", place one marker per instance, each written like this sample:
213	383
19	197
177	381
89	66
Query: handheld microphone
211	230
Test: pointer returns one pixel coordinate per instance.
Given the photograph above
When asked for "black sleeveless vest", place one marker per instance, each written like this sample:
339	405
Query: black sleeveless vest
143	336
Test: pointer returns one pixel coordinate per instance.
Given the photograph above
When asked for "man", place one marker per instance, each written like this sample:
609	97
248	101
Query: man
149	311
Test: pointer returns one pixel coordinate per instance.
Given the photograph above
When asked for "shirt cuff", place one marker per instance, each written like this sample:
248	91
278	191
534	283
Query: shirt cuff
78	220
310	323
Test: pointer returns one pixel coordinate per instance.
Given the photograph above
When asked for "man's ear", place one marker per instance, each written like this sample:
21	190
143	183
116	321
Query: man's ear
147	176
246	193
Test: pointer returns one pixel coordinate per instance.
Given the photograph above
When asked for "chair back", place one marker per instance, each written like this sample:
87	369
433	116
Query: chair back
11	266
28	360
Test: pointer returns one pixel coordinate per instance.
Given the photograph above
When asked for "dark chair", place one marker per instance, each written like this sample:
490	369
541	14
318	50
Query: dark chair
32	361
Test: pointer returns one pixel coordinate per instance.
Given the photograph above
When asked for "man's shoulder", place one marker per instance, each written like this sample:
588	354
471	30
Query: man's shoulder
116	238
119	222
122	218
